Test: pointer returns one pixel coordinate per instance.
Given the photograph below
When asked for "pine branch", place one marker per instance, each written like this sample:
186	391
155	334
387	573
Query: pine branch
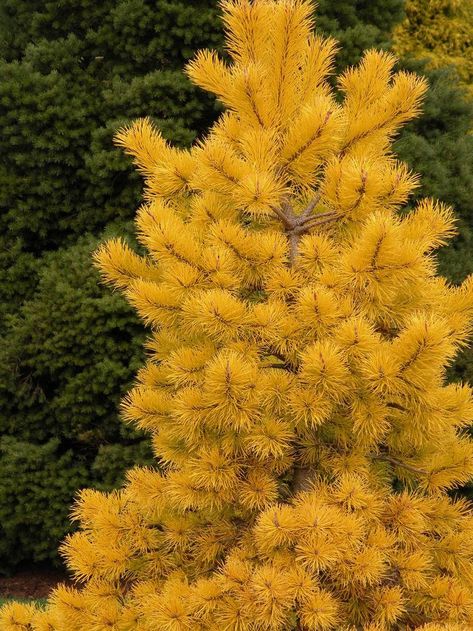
398	463
275	353
295	227
298	225
282	216
311	206
396	406
279	366
293	246
317	220
297	154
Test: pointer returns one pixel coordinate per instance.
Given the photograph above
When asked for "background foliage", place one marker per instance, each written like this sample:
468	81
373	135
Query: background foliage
441	31
71	73
358	25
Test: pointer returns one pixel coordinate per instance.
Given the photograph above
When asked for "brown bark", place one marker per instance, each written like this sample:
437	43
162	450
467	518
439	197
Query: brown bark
295	227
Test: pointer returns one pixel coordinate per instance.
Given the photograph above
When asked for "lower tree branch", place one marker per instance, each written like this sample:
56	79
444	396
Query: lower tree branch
285	218
311	206
319	219
398	463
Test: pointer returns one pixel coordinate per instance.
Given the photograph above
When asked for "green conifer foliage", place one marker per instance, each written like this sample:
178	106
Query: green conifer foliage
440	146
34	476
71	73
65	88
60	431
358	25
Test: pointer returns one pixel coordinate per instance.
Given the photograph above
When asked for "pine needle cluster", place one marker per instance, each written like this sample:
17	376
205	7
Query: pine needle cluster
295	388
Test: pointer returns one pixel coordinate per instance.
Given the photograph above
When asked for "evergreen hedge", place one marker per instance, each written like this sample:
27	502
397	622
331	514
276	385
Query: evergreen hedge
71	73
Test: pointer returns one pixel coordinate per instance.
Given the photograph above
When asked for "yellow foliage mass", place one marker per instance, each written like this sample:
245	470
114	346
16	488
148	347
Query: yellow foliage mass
440	31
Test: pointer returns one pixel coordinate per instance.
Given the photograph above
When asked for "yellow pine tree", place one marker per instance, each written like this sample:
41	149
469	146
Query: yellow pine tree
295	388
442	32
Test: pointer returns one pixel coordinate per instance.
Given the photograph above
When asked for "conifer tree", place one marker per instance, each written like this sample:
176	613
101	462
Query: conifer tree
71	73
295	388
441	31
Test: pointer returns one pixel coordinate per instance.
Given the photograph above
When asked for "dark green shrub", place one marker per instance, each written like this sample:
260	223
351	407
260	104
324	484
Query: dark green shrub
38	483
71	73
71	353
